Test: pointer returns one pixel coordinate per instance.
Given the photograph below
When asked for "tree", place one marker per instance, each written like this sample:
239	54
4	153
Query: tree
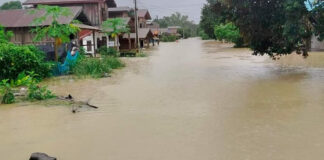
189	28
215	12
59	32
114	27
11	5
5	36
230	33
274	27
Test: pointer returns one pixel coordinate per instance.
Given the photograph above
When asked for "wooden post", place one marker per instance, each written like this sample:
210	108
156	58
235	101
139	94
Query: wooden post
94	42
130	42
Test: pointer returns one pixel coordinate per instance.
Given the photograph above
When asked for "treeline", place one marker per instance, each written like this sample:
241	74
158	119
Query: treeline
11	5
188	27
272	27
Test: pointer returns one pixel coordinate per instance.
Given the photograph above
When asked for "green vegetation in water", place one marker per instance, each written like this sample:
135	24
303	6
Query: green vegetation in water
141	54
169	38
35	92
105	51
230	33
96	67
6	90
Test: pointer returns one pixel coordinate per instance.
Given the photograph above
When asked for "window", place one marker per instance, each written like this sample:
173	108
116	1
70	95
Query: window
89	46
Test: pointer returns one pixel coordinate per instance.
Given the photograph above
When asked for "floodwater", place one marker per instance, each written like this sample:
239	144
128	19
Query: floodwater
192	100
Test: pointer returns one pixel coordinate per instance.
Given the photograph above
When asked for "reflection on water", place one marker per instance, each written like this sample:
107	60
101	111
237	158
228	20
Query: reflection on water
189	100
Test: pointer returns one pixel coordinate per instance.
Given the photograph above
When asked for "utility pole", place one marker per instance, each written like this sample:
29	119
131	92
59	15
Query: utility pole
136	25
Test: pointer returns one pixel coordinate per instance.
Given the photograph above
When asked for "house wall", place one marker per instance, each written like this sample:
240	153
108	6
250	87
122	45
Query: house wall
316	45
94	46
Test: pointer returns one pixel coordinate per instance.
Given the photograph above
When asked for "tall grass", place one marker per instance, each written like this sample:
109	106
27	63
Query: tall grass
95	67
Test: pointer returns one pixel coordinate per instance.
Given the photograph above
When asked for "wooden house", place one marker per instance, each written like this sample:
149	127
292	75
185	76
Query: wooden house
20	22
127	41
96	11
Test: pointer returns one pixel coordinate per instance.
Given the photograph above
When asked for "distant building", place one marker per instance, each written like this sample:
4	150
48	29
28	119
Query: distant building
127	41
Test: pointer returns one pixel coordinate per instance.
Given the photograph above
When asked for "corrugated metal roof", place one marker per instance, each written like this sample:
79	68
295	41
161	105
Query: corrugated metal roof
31	2
119	9
142	33
23	18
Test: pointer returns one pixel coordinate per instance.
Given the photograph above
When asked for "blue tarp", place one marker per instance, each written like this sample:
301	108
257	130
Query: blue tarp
66	66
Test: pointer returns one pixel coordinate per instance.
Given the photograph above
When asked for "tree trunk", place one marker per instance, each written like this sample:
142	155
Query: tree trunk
116	43
56	50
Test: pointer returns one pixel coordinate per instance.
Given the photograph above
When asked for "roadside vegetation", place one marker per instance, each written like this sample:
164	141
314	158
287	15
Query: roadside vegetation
273	28
23	67
169	38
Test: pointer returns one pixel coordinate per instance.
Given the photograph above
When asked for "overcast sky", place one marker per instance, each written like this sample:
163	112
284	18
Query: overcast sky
161	8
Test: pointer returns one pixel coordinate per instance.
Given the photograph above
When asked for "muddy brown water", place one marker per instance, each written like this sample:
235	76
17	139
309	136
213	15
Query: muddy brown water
192	100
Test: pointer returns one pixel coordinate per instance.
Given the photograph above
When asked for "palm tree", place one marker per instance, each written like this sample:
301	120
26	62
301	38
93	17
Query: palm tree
114	27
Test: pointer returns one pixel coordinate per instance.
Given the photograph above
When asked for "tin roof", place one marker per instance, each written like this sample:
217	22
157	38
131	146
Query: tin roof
23	18
119	9
30	2
144	13
142	33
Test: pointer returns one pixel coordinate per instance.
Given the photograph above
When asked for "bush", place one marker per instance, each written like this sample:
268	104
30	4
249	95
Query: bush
17	59
6	91
203	35
230	33
36	92
96	68
168	38
105	51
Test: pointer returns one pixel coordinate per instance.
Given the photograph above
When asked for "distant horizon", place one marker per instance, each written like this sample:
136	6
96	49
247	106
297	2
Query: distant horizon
191	8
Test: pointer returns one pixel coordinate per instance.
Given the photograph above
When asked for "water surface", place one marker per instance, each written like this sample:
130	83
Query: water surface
192	100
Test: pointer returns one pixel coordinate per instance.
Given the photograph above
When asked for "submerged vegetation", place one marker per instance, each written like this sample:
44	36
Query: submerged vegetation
168	38
96	67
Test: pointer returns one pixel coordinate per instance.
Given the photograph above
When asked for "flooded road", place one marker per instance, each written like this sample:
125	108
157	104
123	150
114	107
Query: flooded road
192	100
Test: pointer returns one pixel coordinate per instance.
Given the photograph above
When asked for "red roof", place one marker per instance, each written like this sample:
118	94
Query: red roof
22	17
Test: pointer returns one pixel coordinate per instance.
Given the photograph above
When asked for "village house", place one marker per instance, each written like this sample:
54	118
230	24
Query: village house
96	11
128	40
20	22
171	30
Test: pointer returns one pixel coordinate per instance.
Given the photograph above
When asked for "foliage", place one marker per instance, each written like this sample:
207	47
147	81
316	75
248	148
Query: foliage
60	32
168	38
17	59
189	28
5	36
6	91
114	27
35	92
96	68
203	35
228	32
141	54
11	5
215	12
108	51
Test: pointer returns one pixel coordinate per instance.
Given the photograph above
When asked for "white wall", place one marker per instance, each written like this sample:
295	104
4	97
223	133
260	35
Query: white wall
316	45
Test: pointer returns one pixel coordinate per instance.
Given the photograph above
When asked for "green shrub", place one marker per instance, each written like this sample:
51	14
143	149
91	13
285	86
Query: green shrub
96	68
105	51
17	59
6	90
36	92
230	33
203	35
168	38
